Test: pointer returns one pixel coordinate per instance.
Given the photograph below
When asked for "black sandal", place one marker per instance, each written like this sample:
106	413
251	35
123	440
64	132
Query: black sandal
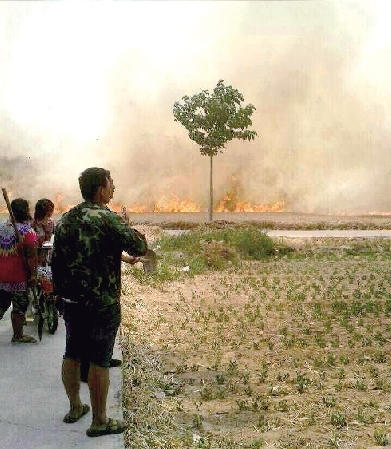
72	419
113	426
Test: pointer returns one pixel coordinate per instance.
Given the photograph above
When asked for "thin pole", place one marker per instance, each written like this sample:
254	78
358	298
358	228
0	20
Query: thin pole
211	189
7	202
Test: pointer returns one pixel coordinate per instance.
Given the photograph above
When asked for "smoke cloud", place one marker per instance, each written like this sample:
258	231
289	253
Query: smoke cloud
96	88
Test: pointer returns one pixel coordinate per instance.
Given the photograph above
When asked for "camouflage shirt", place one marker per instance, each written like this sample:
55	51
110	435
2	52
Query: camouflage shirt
86	261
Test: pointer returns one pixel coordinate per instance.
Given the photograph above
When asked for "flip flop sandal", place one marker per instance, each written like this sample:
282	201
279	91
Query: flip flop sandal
72	419
113	426
115	362
24	339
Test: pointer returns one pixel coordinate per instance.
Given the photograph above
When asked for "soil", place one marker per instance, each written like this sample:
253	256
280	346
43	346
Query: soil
287	353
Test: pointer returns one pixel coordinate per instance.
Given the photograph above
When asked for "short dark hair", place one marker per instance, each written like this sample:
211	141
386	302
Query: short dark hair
42	208
91	179
20	209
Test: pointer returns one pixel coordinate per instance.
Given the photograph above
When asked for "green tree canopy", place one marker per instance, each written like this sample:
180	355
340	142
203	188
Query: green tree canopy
213	119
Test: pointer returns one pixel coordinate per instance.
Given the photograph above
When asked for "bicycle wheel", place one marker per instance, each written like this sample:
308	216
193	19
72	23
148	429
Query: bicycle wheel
51	316
41	312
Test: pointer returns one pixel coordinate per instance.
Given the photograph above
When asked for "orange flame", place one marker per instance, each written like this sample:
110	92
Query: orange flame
172	204
231	201
59	207
175	204
224	206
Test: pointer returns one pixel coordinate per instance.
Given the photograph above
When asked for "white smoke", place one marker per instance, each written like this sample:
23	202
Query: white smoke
94	84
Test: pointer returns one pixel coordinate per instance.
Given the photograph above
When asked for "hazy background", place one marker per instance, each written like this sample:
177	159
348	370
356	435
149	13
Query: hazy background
93	84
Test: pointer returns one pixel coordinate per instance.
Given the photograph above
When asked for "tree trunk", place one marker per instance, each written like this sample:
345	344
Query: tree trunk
211	189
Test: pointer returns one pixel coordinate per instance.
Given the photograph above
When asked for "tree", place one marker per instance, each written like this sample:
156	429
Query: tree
213	120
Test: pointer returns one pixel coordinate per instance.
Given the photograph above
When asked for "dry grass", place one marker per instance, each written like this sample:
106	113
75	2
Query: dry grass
270	220
289	353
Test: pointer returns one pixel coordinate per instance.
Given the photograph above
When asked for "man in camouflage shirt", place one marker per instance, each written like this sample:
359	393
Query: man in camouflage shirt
86	267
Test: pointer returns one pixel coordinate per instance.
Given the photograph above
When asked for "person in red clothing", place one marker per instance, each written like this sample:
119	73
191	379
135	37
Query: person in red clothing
18	267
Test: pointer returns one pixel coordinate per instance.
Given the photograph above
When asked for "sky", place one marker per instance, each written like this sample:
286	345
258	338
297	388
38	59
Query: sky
93	84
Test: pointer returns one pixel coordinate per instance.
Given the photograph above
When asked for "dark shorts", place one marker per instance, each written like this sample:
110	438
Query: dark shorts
19	301
90	335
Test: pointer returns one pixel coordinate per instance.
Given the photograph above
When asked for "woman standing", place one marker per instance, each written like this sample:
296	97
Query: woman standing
18	267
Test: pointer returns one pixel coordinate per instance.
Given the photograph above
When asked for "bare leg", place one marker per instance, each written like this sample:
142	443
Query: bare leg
71	381
18	318
98	382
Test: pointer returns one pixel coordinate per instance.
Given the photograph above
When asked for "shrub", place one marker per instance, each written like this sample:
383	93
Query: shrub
253	244
221	245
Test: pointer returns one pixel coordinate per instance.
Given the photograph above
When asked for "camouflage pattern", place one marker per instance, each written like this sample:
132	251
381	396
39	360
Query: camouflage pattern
19	300
86	260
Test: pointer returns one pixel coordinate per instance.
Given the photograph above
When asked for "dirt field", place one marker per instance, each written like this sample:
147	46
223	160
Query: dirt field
281	220
293	352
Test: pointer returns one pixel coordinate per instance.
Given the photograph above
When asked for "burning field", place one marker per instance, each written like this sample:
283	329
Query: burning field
230	343
265	220
227	350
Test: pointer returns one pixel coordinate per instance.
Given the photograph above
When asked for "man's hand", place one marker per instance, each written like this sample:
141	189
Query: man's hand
124	215
59	303
129	259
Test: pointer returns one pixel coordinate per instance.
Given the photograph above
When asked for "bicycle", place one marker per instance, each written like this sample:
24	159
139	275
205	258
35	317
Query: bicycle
44	301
